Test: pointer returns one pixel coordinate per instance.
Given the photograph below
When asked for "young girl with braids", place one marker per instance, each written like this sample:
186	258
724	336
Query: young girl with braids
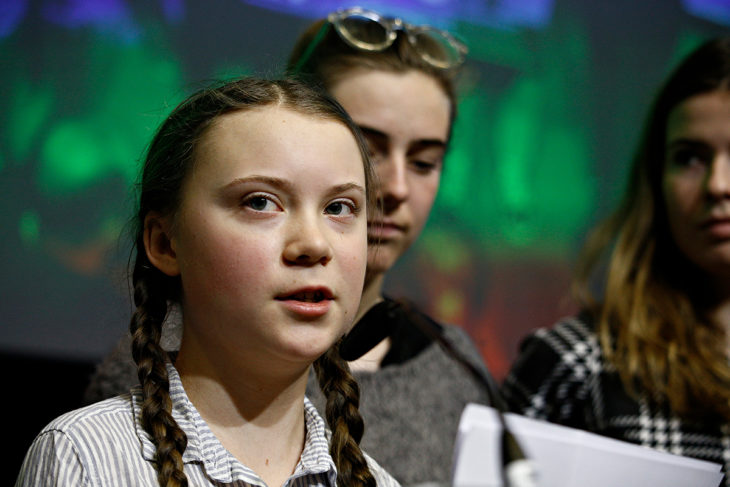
253	220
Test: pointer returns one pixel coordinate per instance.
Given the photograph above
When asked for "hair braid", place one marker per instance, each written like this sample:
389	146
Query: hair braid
343	398
146	326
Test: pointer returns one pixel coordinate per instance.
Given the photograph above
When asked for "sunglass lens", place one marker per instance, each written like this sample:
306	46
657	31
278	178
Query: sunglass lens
364	32
436	48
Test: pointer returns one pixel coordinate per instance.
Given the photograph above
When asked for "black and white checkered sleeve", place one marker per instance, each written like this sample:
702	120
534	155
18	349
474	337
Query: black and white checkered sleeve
553	375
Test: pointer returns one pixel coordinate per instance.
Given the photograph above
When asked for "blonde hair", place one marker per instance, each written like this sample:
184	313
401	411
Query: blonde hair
652	318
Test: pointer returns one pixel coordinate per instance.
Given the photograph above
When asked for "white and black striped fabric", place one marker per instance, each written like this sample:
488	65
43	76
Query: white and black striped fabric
105	445
561	376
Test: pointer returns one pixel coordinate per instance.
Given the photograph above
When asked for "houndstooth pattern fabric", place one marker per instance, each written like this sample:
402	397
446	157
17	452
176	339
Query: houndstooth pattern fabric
561	376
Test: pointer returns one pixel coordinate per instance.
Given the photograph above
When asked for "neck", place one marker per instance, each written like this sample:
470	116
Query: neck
721	315
372	294
720	312
257	414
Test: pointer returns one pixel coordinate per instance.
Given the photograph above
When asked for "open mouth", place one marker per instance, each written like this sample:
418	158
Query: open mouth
313	296
308	303
308	297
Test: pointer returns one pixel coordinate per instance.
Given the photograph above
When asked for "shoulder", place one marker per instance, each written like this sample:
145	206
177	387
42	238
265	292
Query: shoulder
463	344
101	424
72	446
554	369
98	415
567	336
382	478
461	340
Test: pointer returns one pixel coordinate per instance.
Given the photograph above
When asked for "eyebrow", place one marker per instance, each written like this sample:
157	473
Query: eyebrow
420	144
289	186
686	141
345	187
275	182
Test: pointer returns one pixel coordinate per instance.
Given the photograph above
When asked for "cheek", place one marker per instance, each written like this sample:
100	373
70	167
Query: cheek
353	259
355	250
683	203
423	197
680	198
224	260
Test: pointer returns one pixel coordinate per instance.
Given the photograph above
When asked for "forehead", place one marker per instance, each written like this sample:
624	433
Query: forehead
271	128
274	138
411	102
705	116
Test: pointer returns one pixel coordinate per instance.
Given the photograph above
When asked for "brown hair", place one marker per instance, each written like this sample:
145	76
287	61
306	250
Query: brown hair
321	58
652	319
169	160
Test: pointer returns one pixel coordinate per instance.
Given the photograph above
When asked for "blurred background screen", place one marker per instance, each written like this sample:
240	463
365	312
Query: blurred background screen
551	103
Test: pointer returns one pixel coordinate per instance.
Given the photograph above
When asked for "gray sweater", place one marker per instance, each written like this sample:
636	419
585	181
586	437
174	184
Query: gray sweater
411	410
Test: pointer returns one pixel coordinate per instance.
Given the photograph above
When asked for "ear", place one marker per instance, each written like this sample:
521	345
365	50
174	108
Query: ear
158	244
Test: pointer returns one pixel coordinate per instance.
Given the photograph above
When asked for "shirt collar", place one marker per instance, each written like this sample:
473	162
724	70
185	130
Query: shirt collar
204	448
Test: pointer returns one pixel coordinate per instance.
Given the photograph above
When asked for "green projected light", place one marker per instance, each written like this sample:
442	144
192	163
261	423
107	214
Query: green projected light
30	108
519	172
80	134
73	157
109	134
29	227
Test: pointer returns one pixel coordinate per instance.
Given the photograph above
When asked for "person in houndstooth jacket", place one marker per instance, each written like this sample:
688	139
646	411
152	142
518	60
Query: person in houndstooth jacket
646	361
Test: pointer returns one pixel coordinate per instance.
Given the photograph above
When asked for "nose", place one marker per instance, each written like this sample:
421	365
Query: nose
393	186
718	180
307	244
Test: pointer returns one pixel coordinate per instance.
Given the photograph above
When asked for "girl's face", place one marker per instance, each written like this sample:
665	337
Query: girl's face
270	239
696	180
405	119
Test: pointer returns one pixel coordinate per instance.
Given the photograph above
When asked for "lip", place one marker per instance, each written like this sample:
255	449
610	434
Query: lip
717	227
385	229
293	301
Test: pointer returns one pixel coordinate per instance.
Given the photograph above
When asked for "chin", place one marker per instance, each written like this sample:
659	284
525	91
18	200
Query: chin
381	259
308	347
719	268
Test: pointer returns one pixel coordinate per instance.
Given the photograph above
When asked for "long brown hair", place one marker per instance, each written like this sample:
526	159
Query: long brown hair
169	160
652	317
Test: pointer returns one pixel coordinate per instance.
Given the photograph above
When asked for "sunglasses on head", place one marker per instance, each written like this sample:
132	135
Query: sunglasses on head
367	30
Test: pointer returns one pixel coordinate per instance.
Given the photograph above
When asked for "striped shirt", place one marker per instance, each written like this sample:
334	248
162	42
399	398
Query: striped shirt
104	444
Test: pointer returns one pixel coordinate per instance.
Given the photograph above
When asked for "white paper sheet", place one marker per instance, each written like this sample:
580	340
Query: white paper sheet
567	457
